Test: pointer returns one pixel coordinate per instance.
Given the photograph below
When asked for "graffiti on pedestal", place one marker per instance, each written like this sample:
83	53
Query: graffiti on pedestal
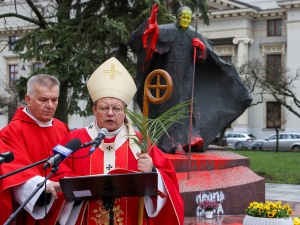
210	196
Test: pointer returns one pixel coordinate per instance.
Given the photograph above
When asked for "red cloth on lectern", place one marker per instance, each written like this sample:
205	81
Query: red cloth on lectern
30	143
93	164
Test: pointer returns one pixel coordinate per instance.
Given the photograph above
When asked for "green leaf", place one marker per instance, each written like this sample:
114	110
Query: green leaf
152	129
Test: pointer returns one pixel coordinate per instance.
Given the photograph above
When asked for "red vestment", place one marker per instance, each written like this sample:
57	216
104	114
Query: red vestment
126	208
30	143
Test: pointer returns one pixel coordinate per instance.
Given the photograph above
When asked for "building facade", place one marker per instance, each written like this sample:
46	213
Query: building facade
240	30
265	30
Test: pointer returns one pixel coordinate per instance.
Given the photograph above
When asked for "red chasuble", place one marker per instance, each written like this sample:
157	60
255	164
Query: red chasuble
30	143
102	162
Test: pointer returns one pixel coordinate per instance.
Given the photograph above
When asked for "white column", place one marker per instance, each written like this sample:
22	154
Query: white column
242	123
242	53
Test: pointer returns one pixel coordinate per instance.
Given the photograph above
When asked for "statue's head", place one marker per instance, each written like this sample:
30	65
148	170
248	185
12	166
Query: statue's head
184	16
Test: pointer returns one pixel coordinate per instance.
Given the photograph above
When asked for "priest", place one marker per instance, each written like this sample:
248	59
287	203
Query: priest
112	88
30	136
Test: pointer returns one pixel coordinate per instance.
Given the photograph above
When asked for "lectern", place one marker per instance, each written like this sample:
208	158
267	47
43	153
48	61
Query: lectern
108	187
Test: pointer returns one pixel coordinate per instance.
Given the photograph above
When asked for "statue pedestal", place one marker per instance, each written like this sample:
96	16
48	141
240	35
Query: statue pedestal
222	176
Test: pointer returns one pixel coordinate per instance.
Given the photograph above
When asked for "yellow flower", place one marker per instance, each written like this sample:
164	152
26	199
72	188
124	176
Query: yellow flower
269	210
270	215
296	221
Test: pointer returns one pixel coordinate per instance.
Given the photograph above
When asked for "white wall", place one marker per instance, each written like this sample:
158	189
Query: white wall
293	61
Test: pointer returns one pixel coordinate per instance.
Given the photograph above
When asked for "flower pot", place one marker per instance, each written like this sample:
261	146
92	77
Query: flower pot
209	214
250	220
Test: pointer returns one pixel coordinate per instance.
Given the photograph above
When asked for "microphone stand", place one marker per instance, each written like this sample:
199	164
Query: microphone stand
38	163
39	186
86	144
22	169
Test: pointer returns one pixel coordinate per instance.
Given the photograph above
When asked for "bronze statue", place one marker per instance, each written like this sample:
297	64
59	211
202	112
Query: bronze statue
219	93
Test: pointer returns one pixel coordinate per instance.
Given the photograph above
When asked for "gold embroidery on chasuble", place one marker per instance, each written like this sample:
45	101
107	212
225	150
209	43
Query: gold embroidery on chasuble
100	216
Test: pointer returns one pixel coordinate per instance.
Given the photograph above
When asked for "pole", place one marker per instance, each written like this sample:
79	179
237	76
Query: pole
192	96
22	169
39	186
157	99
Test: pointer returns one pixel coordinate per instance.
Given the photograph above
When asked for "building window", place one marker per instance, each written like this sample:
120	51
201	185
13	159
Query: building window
274	27
13	75
274	115
273	67
227	58
12	41
37	65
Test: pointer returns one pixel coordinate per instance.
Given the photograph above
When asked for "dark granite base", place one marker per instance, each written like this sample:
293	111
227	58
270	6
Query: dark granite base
217	175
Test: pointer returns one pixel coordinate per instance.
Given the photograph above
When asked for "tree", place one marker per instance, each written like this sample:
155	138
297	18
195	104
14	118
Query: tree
275	81
72	38
8	100
276	120
272	80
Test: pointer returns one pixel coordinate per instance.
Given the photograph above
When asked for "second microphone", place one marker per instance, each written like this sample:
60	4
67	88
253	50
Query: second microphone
97	141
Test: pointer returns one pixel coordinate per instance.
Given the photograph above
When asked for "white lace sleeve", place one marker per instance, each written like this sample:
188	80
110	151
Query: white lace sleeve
23	191
151	210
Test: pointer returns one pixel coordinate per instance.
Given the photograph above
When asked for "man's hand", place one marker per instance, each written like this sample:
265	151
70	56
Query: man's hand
199	44
145	163
53	188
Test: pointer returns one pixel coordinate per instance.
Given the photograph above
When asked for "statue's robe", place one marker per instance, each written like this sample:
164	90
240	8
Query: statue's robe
220	94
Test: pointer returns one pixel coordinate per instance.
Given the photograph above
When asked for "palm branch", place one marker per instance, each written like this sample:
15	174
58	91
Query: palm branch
152	129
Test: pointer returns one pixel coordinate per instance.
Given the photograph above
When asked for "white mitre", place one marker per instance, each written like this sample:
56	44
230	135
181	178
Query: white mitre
111	79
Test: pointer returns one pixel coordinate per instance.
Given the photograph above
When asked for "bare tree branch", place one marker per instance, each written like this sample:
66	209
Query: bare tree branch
42	22
1	50
271	80
276	120
20	17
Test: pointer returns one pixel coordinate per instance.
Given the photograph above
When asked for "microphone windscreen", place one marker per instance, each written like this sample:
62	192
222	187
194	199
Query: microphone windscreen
74	144
8	156
104	131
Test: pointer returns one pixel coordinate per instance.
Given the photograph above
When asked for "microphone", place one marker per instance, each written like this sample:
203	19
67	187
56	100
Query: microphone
62	152
6	157
101	135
